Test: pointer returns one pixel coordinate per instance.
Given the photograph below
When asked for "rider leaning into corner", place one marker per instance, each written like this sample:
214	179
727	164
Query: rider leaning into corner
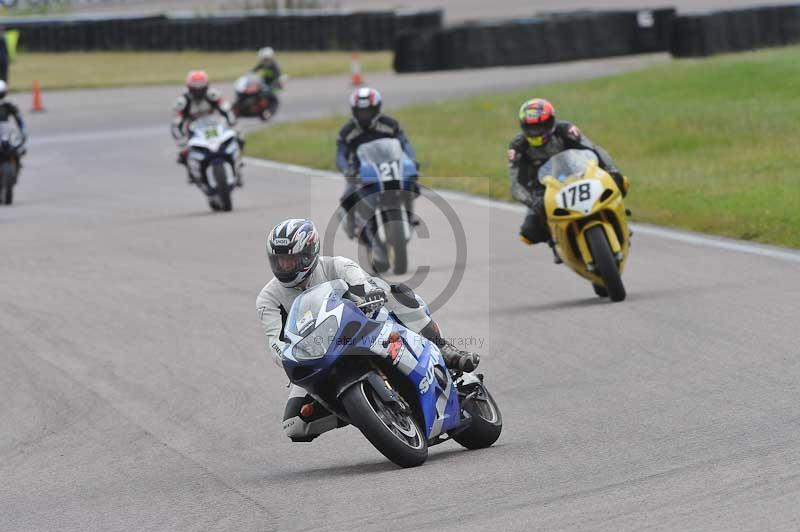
293	252
9	110
268	69
543	137
197	102
367	124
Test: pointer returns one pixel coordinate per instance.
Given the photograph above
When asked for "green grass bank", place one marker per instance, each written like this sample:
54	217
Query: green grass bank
710	145
72	70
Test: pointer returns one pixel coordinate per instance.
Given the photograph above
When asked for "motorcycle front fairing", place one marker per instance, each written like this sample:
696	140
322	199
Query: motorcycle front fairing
383	165
579	195
323	328
211	143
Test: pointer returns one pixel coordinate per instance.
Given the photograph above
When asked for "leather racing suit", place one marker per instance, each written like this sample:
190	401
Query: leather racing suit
273	305
351	136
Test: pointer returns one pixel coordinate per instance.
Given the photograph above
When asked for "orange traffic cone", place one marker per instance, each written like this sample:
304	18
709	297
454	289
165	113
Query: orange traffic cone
37	97
356	80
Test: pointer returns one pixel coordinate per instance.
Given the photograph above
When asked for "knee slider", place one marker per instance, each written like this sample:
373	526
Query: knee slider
297	430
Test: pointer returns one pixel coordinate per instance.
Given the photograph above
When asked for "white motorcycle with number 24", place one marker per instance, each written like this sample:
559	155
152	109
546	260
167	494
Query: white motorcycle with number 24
214	161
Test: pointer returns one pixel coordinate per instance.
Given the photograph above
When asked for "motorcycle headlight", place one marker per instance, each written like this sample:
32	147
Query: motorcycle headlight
316	344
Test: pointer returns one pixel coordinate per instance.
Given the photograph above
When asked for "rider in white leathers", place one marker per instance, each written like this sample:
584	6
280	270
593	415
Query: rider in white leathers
293	250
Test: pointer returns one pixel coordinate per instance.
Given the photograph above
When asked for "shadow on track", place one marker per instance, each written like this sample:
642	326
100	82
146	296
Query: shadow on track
552	306
381	466
197	214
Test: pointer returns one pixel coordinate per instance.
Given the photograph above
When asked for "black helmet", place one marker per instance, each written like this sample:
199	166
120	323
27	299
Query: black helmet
293	251
366	106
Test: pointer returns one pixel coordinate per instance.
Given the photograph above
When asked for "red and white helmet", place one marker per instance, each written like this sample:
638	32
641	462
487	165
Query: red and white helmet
365	103
197	83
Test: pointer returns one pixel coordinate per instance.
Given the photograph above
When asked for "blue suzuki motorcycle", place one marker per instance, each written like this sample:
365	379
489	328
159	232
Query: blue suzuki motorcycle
384	214
392	384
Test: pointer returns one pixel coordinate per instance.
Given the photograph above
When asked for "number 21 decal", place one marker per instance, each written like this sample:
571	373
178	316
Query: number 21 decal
390	170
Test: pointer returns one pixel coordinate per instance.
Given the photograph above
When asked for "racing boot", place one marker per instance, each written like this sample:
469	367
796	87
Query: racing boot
454	358
239	176
348	222
556	256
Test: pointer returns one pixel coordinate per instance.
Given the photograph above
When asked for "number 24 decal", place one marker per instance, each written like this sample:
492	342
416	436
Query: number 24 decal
573	195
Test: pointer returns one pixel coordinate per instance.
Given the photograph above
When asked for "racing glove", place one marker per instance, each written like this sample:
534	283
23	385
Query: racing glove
368	297
351	175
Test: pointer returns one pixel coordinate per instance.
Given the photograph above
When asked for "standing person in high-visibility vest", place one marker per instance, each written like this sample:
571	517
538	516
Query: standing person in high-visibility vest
3	55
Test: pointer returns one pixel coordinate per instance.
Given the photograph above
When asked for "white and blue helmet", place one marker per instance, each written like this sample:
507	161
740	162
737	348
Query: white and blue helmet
293	251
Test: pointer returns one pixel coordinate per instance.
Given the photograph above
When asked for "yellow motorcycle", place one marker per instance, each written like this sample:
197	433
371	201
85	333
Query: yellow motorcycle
587	219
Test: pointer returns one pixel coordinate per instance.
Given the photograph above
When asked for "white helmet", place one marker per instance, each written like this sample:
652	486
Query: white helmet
266	53
3	89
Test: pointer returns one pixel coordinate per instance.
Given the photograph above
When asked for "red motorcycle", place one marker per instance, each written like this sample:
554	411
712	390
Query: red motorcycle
254	98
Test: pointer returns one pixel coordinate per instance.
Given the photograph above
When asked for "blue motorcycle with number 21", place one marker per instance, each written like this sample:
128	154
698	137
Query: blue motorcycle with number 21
385	213
370	371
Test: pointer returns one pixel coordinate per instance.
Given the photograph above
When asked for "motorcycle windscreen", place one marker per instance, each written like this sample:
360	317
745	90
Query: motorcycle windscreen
206	129
381	160
308	305
567	164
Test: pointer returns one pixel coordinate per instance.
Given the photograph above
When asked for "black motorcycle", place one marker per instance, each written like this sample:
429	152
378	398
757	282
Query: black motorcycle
10	153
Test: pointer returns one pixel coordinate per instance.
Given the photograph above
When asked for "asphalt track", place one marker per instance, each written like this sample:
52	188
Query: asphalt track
136	394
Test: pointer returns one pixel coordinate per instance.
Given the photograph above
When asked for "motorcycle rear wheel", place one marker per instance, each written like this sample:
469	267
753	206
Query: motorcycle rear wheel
395	434
605	263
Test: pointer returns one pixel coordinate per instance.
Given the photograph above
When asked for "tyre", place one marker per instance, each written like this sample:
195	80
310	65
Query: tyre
600	290
396	245
223	189
394	433
7	182
604	262
487	422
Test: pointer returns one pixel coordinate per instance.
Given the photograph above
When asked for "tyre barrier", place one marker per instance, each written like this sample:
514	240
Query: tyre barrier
368	30
546	38
735	31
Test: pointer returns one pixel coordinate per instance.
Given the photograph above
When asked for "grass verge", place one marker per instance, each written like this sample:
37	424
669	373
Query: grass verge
710	145
116	69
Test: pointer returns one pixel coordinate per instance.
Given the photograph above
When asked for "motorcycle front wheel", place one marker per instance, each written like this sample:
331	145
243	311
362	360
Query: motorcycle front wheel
7	182
223	189
487	422
394	433
605	263
396	245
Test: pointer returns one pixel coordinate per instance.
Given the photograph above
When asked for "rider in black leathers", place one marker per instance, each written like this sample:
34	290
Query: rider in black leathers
366	125
543	137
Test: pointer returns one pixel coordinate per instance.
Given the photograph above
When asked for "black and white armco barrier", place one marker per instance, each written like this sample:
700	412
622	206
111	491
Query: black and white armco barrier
732	31
543	39
373	30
